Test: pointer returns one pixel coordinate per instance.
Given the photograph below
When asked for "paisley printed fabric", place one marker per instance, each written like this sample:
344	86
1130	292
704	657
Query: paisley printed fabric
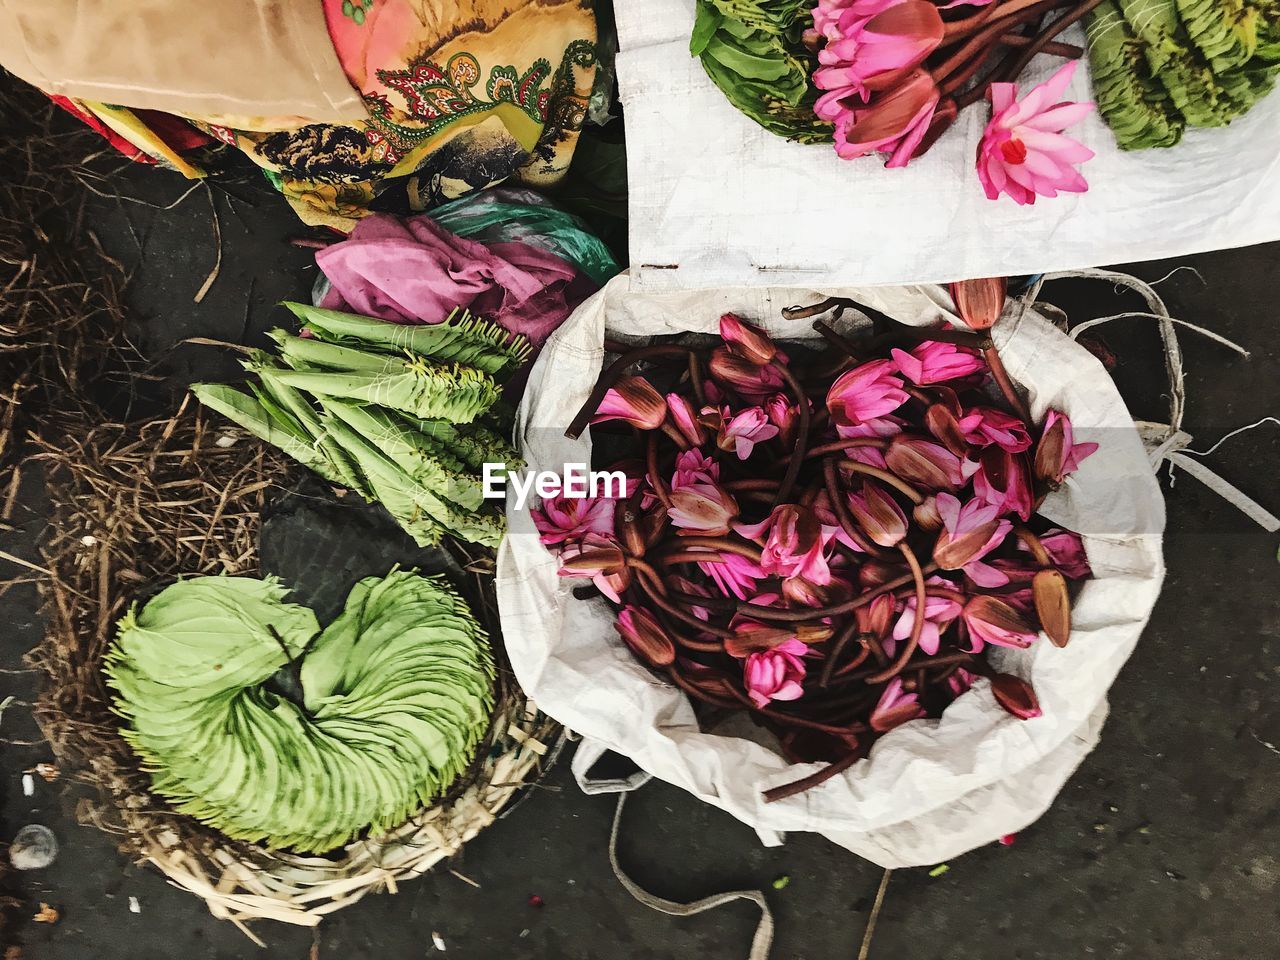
460	96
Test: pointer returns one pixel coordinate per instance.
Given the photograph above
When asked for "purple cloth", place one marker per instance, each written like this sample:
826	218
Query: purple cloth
414	271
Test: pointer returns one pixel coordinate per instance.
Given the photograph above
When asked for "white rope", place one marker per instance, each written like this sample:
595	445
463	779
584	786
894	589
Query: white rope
1167	442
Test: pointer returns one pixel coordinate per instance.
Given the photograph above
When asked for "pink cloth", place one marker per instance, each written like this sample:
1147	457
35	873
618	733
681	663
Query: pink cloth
414	271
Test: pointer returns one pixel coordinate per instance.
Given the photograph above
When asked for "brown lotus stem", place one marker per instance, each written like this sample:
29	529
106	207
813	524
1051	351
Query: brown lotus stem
1068	51
694	691
722	544
802	431
775	794
655	479
839	446
917	625
838	340
963	338
822	306
815	613
1055	28
794	721
841	510
837	648
892	479
928	663
610	376
656	592
675	436
695	379
1010	15
1005	382
721	604
760	483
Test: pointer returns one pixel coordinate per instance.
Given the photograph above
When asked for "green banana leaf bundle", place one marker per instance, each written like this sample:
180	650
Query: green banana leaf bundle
392	699
406	415
1161	65
751	50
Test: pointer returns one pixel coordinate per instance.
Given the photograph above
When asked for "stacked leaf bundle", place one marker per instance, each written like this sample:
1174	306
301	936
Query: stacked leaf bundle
406	415
752	51
372	718
830	542
1160	66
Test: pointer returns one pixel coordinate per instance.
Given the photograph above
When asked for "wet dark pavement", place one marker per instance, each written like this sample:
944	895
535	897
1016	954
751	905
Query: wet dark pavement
1165	844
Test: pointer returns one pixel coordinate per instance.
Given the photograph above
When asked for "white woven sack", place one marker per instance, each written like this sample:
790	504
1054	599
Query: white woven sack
930	789
715	200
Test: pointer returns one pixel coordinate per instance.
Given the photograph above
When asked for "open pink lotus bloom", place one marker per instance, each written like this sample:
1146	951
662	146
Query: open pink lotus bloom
894	121
1003	482
634	400
895	708
936	362
775	674
733	574
600	559
646	638
694	466
746	340
938	614
1023	152
991	620
1057	453
793	543
685	420
869	44
867	392
741	432
983	426
969	533
562	518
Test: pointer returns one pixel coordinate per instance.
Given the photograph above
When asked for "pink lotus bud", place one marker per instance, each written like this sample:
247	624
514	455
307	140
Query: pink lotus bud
879	515
751	381
754	636
784	415
960	681
698	503
746	341
1002	482
685	420
775	674
740	433
645	636
869	46
925	463
875	618
895	120
1016	696
942	422
968	534
1057	453
600	559
1053	605
634	400
992	621
1066	550
926	515
805	593
896	707
980	302
936	362
867	392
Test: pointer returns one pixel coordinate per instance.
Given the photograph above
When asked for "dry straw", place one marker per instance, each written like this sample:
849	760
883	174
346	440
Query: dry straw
135	507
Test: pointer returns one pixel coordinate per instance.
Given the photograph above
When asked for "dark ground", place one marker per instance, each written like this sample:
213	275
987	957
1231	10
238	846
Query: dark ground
1165	844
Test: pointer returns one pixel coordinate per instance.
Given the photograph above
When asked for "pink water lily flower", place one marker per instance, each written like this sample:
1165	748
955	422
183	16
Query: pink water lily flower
983	426
939	612
867	392
960	681
784	415
1057	453
751	380
794	543
775	674
991	620
646	638
1023	151
895	707
969	533
1066	550
739	433
634	400
698	503
936	362
562	518
927	464
869	44
878	514
1003	482
733	574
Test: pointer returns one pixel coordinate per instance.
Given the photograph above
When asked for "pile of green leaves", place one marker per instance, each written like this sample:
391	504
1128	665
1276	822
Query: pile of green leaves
406	415
1160	66
254	721
751	49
